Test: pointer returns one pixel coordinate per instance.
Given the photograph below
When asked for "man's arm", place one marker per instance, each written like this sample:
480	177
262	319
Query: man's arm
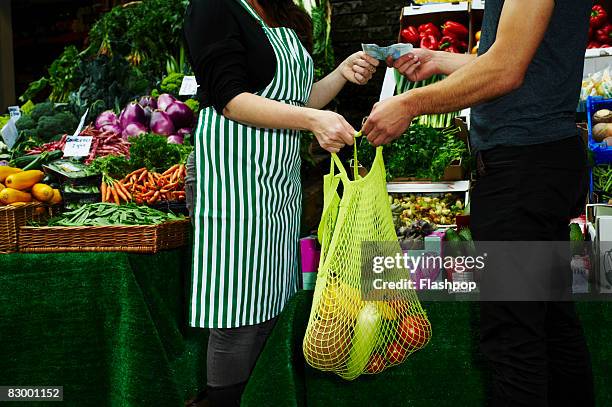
422	63
500	70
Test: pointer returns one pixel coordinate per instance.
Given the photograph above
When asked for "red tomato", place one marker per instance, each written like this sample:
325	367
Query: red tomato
396	353
376	364
414	332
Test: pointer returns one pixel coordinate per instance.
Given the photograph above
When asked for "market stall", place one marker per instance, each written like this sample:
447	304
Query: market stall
95	236
109	327
449	372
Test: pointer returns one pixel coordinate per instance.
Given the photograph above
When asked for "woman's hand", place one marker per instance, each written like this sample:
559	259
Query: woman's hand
417	65
331	130
359	68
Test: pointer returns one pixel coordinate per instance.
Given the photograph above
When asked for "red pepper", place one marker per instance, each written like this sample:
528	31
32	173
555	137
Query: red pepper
590	33
446	42
598	16
410	35
453	50
429	29
455	28
462	46
593	44
604	34
429	42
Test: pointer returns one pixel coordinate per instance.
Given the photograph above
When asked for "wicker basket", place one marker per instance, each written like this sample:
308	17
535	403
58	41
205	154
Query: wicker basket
14	217
130	239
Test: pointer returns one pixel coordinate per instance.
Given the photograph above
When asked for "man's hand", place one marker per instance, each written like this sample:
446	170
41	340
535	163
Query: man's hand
417	65
388	120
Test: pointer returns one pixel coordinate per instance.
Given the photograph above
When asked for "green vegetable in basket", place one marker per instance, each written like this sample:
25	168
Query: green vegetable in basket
104	214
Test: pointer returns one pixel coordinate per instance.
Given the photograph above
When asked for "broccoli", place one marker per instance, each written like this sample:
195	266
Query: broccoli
42	109
172	83
193	105
27	107
25	122
51	126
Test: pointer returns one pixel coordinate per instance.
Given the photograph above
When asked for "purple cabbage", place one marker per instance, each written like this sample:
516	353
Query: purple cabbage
114	128
180	114
134	130
164	100
161	123
175	139
133	113
106	118
148	101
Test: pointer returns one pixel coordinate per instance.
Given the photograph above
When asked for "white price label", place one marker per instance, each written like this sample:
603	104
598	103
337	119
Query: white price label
189	87
10	133
14	112
77	146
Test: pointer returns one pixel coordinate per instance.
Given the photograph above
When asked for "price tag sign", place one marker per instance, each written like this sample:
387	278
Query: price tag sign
77	146
189	87
10	134
14	112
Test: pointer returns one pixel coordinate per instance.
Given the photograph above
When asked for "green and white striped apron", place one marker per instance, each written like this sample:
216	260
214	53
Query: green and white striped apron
248	202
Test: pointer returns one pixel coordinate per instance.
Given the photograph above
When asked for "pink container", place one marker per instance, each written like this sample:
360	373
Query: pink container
310	254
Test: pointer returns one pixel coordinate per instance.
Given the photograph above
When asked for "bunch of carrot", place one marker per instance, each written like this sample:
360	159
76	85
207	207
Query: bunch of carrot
114	191
152	187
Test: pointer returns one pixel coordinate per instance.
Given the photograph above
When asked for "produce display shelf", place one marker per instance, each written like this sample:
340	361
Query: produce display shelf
144	239
601	152
418	9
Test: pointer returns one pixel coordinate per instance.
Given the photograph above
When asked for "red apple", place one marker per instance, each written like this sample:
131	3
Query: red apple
396	353
414	332
376	364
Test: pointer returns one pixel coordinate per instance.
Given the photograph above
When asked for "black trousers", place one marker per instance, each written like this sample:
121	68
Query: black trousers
536	350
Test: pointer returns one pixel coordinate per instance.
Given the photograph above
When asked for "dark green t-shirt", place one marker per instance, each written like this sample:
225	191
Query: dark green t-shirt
543	108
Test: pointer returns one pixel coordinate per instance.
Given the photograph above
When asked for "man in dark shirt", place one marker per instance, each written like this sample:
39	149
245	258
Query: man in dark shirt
523	88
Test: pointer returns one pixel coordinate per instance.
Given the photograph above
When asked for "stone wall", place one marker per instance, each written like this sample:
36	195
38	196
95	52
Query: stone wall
367	21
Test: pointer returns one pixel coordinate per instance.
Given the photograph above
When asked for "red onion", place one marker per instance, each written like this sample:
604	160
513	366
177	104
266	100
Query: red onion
175	139
134	130
164	100
180	114
106	118
161	123
133	113
148	101
185	132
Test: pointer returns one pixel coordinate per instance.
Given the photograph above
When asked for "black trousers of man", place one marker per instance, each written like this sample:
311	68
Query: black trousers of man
536	350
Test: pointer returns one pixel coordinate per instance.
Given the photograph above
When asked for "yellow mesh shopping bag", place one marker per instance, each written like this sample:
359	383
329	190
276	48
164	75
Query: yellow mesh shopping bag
346	334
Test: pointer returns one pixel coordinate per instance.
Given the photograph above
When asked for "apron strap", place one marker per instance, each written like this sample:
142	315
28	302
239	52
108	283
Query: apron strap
252	12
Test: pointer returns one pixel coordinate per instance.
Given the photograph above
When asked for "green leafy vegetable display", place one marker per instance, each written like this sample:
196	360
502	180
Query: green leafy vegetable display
422	152
44	123
104	214
155	153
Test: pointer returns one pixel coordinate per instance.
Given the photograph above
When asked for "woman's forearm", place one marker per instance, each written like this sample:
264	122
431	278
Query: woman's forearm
325	90
258	111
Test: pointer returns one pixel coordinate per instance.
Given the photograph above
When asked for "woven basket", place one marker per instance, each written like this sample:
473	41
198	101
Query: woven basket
14	217
130	239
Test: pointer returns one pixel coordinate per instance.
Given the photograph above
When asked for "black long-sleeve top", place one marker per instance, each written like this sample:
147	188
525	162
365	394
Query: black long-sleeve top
228	51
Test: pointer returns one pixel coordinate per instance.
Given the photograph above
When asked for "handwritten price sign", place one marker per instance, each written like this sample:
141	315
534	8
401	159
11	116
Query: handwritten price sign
77	146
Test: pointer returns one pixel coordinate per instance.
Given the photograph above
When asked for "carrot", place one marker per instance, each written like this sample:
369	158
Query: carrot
103	191
171	169
115	196
143	175
125	191
120	193
150	178
154	198
148	195
137	172
107	197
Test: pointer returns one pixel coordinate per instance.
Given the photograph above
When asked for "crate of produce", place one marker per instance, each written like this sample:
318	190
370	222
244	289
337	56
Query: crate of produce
599	117
12	218
105	227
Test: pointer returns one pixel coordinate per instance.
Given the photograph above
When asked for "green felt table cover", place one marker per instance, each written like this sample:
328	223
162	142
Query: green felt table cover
448	372
109	327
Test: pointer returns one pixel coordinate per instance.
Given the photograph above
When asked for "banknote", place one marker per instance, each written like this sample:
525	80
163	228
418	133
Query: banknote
382	53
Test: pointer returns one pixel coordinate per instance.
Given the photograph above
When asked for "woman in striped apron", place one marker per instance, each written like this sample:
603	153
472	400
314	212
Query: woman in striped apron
256	83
